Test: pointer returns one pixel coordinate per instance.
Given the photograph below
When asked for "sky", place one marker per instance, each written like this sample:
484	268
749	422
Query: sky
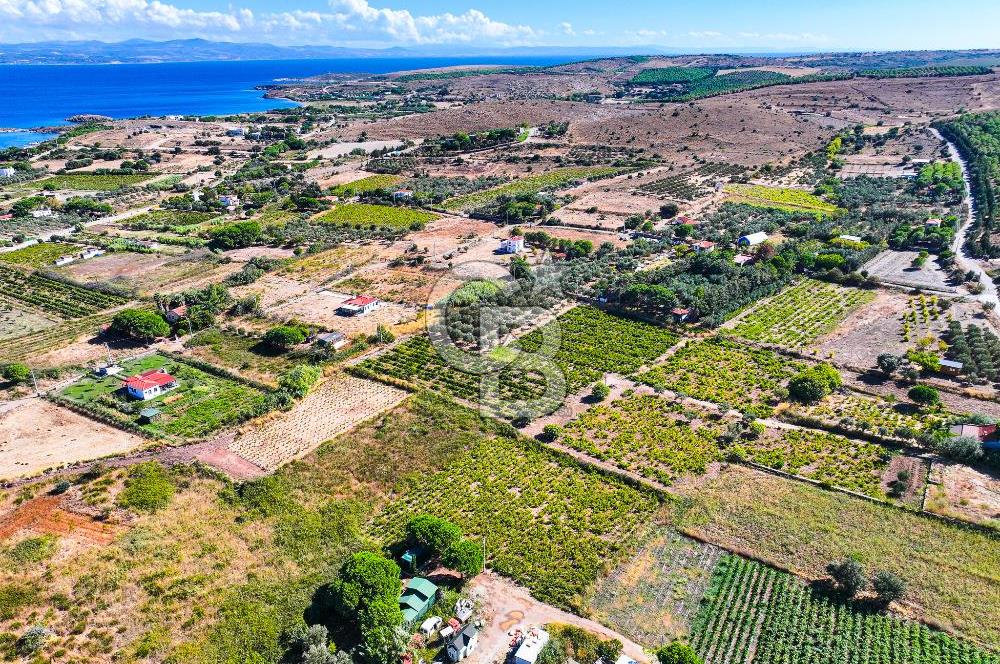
698	26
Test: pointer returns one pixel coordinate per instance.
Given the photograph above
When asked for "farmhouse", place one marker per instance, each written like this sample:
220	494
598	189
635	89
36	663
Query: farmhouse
335	340
41	213
7	172
987	434
680	315
402	195
150	384
531	646
951	367
176	314
463	644
230	201
932	223
235	131
358	306
849	238
703	246
512	245
753	239
417	599
65	259
91	252
742	259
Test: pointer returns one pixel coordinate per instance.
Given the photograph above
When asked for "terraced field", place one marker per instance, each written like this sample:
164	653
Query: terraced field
802	313
533	184
793	200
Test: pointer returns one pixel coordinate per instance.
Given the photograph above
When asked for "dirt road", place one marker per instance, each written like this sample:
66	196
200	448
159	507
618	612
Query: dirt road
506	607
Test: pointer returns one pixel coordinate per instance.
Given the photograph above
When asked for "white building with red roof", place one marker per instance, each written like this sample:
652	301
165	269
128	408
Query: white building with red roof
512	245
357	306
149	384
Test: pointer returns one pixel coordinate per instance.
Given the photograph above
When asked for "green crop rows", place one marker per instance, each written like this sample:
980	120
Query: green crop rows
862	414
92	181
824	457
645	434
361	215
594	343
801	313
533	184
39	255
679	187
370	183
549	523
669	75
794	200
756	614
725	372
52	296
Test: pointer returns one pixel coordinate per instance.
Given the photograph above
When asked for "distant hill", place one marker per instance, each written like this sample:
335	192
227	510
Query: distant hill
199	50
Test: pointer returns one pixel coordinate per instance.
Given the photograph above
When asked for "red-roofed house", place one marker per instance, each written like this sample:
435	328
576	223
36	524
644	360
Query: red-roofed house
149	384
358	306
681	315
703	246
176	314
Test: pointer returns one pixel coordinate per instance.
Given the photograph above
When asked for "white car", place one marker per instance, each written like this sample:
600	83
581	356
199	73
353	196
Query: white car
430	625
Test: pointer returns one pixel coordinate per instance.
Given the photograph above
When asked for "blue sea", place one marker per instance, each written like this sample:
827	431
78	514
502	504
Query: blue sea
45	95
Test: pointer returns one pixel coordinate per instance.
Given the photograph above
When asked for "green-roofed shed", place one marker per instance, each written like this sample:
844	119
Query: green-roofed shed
417	599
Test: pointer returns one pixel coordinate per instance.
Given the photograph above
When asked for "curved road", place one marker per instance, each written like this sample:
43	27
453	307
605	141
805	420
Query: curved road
962	259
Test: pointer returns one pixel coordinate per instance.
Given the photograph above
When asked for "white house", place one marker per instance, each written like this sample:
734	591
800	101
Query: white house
91	252
703	246
176	314
849	238
358	306
7	172
41	213
463	644
532	644
150	384
334	340
65	259
230	201
402	195
753	239
512	245
236	131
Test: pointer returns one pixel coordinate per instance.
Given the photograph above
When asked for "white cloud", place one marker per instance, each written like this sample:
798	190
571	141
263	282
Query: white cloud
354	20
704	34
567	28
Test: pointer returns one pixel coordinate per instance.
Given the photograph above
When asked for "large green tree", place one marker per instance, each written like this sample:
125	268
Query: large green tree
140	324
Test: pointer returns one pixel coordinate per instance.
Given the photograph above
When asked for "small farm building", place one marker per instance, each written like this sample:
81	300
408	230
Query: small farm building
357	306
417	599
463	643
753	239
150	384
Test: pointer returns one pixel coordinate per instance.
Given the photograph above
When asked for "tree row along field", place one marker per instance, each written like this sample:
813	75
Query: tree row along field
754	614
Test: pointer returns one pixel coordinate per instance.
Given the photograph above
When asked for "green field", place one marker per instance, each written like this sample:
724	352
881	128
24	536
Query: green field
92	181
532	184
238	352
370	183
668	75
802	313
362	215
204	402
756	614
39	255
725	372
951	571
549	523
792	200
53	296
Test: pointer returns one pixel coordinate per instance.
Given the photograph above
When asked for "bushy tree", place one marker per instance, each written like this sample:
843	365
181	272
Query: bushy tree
283	337
609	650
237	235
960	448
17	373
600	391
669	210
465	556
888	587
140	324
812	384
551	432
848	575
888	363
924	395
364	580
383	640
434	534
677	653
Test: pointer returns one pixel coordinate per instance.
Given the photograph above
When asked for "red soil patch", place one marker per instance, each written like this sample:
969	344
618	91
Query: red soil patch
45	516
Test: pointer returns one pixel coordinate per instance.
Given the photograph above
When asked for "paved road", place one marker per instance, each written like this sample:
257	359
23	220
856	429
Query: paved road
962	258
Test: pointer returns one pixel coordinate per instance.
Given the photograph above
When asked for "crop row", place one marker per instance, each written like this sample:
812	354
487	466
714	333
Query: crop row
781	198
533	184
680	187
865	415
725	372
546	521
362	215
755	614
53	296
801	313
92	181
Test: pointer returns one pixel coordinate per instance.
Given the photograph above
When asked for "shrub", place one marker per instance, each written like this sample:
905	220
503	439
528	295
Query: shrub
960	448
17	373
298	380
149	487
600	391
677	653
924	395
812	384
14	597
848	575
235	236
262	497
33	640
32	550
140	324
551	432
888	587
